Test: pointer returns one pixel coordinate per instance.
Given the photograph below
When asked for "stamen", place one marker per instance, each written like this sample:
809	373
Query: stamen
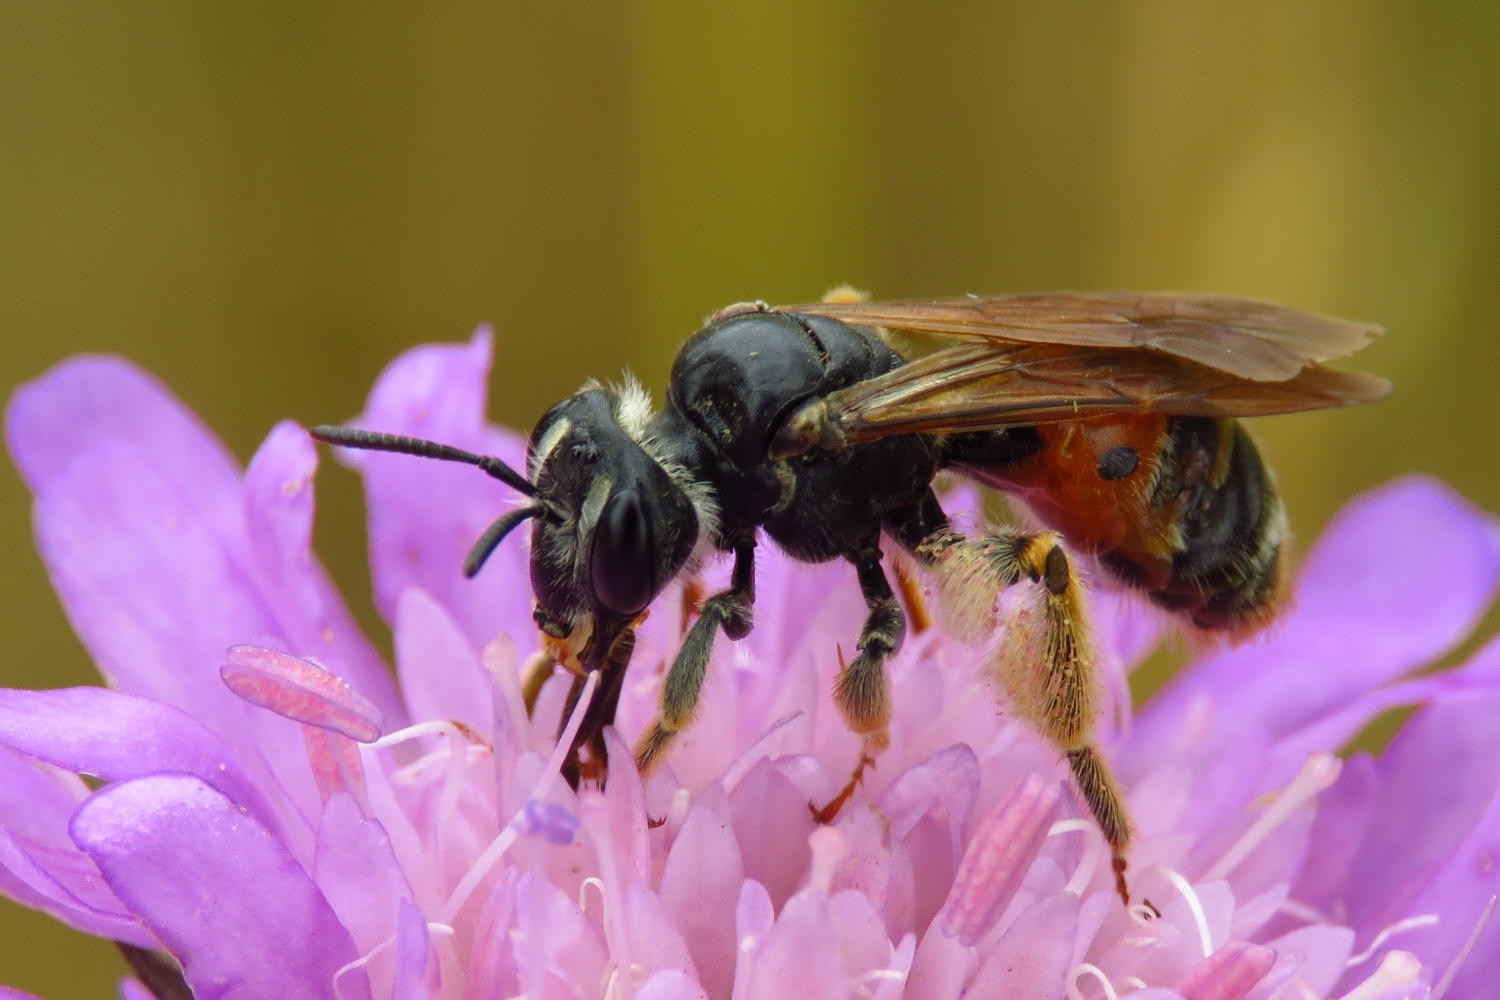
1320	770
583	892
1227	974
1134	982
547	820
1002	849
335	762
365	959
301	690
1082	969
829	845
502	842
1302	911
1397	969
1463	953
413	731
1190	894
1094	848
1399	927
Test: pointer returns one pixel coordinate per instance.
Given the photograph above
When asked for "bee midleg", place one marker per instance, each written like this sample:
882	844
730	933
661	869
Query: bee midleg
730	610
861	690
1055	690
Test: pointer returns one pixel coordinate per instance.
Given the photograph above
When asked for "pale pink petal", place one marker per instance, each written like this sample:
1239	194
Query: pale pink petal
355	867
424	514
700	888
441	676
654	939
415	966
278	522
1031	959
771	824
557	951
800	954
670	984
492	968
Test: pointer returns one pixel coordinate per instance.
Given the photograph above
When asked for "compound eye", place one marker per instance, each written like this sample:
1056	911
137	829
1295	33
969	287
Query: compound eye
620	563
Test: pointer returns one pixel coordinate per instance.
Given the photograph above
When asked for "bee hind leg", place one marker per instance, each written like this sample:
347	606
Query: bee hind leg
730	610
1047	668
861	690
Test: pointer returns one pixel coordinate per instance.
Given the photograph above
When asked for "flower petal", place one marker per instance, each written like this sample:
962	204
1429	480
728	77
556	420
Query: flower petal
671	984
424	515
1365	611
700	888
116	737
356	870
155	595
1031	959
492	967
556	948
771	824
800	954
87	401
221	892
278	504
440	675
413	954
1437	779
57	882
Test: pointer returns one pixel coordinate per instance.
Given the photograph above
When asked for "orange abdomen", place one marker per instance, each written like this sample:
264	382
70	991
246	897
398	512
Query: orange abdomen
1182	508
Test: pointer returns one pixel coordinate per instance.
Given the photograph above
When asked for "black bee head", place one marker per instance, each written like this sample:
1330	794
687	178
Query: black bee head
619	529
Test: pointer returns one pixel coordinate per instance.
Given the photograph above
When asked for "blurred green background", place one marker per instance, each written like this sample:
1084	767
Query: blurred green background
263	203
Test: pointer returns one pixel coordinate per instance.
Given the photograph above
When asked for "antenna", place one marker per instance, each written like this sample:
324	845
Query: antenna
348	437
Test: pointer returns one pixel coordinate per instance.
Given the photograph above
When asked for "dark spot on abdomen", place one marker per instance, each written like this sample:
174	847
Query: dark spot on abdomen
1117	463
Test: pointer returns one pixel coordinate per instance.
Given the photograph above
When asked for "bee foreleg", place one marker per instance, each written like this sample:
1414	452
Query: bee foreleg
730	610
861	690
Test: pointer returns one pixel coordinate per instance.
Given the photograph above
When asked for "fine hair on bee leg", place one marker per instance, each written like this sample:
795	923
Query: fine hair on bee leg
730	610
1044	662
861	690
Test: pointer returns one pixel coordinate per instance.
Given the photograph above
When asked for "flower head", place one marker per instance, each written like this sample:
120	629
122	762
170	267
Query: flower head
287	820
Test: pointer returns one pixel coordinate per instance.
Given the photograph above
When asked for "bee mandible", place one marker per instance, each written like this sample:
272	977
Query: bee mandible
1113	417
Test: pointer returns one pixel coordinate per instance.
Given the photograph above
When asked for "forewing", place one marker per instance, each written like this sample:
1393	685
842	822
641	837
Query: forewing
985	386
1247	338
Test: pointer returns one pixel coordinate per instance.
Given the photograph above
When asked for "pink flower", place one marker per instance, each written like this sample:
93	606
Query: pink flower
287	821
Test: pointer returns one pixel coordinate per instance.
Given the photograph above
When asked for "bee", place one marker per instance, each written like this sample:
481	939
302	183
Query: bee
1112	417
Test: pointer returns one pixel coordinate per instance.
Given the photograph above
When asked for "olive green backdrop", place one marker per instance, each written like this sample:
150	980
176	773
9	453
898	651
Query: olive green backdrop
263	203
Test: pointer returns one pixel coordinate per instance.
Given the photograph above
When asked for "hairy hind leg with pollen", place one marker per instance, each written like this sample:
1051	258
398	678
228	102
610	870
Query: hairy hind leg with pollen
1047	665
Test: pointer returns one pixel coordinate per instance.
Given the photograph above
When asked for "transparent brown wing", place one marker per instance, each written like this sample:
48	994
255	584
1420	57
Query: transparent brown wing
984	386
1258	341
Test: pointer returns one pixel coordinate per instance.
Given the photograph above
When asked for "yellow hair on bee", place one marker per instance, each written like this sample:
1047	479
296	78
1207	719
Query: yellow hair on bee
965	583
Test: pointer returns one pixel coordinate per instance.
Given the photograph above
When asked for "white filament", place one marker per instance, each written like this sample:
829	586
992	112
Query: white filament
1463	953
507	836
1397	969
1320	770
1194	904
1084	968
1399	927
365	959
1093	853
